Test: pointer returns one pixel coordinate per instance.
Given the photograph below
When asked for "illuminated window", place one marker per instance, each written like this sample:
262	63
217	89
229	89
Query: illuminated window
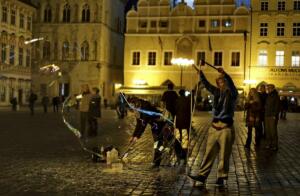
296	4
235	59
264	5
263	29
281	5
167	58
22	21
21	56
296	29
4	14
227	23
200	56
218	58
263	58
152	58
295	58
13	17
279	58
136	58
215	23
280	29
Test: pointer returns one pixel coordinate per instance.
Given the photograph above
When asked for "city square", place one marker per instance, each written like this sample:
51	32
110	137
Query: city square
149	97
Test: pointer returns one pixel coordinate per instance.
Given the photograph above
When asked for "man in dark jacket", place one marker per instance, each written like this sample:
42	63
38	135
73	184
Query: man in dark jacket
169	98
261	125
162	132
94	112
32	99
183	121
221	133
272	109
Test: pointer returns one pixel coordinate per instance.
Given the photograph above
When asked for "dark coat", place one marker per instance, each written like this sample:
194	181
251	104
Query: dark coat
95	106
169	98
253	113
272	106
183	112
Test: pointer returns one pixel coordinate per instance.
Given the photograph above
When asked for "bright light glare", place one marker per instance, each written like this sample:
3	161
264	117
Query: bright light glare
139	82
182	61
50	68
250	81
33	40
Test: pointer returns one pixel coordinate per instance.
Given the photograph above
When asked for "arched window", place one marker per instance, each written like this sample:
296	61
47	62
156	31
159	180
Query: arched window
85	51
67	13
47	14
85	13
46	50
65	50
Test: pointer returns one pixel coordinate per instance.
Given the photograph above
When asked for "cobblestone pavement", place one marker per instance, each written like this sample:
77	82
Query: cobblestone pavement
40	156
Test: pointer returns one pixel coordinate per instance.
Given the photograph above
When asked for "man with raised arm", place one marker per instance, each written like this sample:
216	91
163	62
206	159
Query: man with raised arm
221	133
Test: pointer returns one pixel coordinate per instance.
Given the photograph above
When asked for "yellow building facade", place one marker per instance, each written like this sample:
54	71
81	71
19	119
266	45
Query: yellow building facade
15	59
275	39
85	39
216	31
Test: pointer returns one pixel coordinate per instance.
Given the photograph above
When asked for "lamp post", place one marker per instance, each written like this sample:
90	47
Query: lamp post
182	62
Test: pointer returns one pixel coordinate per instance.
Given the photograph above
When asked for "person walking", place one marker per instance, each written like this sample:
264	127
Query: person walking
261	129
168	99
272	108
84	109
252	107
94	112
221	134
32	98
182	123
45	103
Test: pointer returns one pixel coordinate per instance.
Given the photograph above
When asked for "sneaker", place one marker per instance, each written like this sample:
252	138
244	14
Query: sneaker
198	178
221	182
268	147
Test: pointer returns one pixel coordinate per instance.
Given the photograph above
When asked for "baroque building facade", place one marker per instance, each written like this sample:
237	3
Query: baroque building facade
215	31
85	39
275	53
15	59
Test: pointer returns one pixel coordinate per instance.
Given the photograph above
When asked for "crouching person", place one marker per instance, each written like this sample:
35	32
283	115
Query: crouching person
162	132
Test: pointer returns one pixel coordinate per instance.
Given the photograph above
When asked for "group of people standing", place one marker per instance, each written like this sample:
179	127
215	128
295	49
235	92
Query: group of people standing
262	113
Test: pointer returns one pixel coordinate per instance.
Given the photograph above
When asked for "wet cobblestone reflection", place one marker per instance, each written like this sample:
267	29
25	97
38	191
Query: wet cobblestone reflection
39	156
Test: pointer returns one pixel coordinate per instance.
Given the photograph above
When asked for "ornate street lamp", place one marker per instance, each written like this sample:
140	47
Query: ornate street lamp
182	62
